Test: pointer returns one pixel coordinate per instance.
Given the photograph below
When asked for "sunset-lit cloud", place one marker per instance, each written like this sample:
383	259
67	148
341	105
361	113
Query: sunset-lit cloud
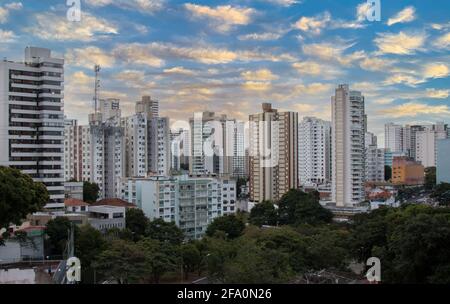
400	44
230	56
412	109
222	17
404	16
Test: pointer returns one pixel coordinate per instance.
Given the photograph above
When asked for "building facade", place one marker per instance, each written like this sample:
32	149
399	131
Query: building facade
406	171
443	161
273	154
32	119
348	145
314	150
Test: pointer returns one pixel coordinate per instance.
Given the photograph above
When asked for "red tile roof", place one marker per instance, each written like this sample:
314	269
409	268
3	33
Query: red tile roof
117	202
72	202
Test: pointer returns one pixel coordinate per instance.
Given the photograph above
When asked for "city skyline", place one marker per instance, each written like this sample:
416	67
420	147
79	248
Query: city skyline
240	60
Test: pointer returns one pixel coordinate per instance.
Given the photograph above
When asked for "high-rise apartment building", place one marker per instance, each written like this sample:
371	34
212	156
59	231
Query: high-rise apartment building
426	147
273	154
348	136
32	119
180	141
217	145
148	106
314	150
158	149
374	159
135	133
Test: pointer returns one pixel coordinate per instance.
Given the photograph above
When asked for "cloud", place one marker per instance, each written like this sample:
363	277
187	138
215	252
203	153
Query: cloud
412	109
400	44
88	57
433	93
143	6
372	63
316	88
443	42
179	70
259	80
257	85
260	36
223	18
313	25
259	75
404	16
436	70
4	11
333	52
361	11
134	79
50	26
7	36
284	2
419	75
403	79
138	54
315	68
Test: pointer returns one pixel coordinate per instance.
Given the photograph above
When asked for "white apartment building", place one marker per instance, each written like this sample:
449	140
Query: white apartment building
136	160
32	119
374	159
158	149
107	155
192	203
273	154
397	138
148	106
426	147
180	142
348	136
314	152
216	142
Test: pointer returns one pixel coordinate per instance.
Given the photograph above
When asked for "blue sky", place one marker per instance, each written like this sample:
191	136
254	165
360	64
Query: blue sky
230	56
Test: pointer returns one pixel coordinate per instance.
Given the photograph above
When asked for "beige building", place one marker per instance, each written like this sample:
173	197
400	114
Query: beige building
406	171
273	153
348	145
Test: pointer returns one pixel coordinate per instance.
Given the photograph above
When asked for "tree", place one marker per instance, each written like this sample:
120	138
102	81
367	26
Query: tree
264	213
387	173
123	262
297	207
89	243
430	178
231	225
58	232
159	258
164	232
90	192
136	222
442	194
191	258
19	196
256	265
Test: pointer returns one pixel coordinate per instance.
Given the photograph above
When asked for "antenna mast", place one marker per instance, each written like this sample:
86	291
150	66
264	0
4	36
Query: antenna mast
97	86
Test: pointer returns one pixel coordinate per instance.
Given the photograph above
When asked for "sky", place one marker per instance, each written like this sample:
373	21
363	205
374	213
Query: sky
231	56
